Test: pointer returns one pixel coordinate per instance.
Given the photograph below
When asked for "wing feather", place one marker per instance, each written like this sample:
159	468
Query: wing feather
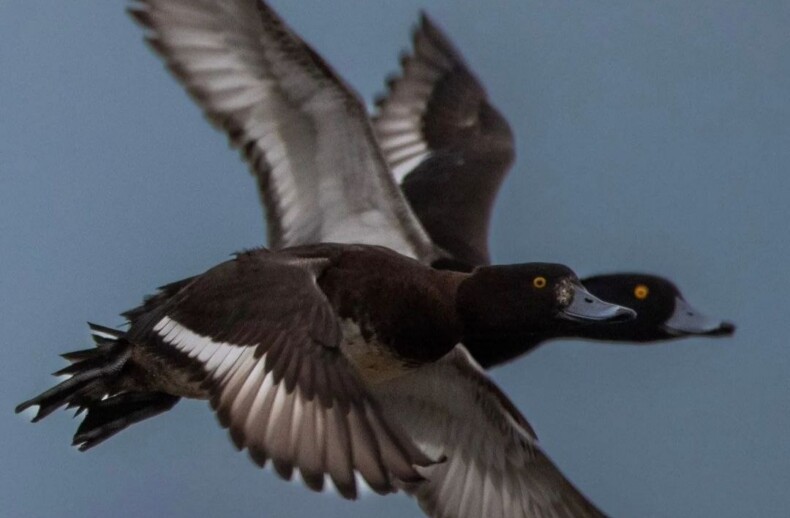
303	131
447	146
265	343
494	466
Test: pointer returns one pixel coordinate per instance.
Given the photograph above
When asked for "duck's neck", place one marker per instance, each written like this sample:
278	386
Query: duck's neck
449	282
490	353
487	346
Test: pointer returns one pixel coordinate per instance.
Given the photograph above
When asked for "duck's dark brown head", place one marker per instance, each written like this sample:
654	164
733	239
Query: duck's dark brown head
662	312
515	302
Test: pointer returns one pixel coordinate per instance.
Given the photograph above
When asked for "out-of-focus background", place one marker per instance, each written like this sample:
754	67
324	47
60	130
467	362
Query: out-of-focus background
652	136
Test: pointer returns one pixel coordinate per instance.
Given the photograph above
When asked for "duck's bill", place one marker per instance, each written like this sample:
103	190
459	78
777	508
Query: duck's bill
586	307
686	320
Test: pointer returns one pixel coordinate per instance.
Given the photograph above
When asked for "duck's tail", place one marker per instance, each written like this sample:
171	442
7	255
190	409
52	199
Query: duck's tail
95	385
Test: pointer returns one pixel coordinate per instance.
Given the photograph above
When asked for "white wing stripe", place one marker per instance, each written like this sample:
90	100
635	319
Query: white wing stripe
217	357
296	419
163	326
275	423
227	362
251	425
401	140
407	152
249	389
235	379
175	334
269	415
398	125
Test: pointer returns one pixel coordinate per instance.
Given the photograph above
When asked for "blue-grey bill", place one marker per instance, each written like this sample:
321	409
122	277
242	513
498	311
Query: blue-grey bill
686	320
586	307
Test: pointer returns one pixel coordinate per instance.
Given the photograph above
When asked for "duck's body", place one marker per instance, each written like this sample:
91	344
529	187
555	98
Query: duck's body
326	359
365	292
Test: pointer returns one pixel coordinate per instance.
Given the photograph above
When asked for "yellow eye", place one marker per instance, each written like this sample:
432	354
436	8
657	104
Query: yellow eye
539	282
641	291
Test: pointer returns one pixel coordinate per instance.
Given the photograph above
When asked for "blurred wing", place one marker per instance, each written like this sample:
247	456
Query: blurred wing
493	467
263	340
304	133
447	146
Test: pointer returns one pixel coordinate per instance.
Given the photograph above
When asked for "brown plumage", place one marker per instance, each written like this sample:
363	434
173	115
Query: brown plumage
337	359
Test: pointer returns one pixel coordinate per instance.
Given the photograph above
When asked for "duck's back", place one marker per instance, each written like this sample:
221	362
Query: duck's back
392	299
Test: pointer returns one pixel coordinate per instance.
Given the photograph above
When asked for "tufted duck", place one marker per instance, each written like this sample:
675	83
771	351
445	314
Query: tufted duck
334	359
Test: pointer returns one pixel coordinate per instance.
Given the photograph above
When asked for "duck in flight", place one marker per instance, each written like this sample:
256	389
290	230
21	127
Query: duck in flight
336	359
329	359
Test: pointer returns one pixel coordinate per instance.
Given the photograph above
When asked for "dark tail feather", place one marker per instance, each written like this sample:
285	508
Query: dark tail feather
110	416
96	386
94	373
75	356
104	337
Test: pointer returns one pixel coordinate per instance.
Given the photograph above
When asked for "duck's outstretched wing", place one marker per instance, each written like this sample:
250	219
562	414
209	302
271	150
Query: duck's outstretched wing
494	466
304	132
448	147
261	340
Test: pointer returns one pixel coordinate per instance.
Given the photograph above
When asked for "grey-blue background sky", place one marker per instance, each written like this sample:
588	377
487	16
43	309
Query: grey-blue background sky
651	136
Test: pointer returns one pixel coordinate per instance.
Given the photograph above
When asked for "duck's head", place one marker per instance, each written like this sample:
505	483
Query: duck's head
506	303
662	312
